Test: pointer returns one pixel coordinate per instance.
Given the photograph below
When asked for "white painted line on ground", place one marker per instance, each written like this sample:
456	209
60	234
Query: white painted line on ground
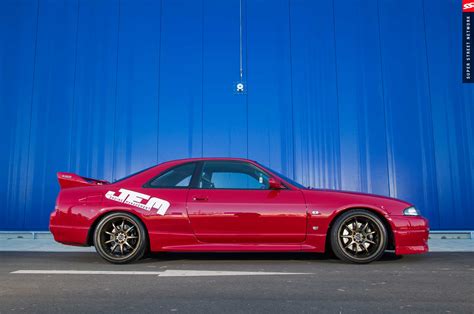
198	273
166	273
84	272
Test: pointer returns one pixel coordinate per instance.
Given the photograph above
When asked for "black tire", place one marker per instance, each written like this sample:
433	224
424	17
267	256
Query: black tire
120	238
358	236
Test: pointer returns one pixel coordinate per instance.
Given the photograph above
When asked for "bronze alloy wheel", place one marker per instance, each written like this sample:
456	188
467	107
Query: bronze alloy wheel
358	236
120	238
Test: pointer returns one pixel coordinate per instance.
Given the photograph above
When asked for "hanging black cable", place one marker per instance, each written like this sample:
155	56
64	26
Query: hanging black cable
240	86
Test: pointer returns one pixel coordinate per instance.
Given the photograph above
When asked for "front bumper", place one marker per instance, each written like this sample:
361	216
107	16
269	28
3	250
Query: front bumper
410	234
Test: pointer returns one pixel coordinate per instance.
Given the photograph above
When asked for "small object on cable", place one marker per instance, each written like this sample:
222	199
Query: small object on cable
240	88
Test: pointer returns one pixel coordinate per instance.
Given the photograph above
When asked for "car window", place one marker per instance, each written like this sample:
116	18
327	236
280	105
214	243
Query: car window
177	177
132	175
232	175
293	182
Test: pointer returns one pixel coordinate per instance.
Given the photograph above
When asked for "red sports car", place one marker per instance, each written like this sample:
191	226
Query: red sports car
229	205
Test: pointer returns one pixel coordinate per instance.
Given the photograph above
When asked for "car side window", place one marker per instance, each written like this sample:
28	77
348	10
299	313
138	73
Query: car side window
232	175
176	177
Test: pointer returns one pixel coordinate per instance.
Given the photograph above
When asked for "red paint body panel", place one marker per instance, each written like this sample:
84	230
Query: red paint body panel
224	220
411	234
70	180
248	216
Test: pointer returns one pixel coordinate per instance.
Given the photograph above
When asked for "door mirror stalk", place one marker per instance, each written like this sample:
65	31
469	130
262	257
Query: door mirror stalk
275	184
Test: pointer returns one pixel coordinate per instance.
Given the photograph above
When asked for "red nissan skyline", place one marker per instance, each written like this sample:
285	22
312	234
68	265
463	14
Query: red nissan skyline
229	205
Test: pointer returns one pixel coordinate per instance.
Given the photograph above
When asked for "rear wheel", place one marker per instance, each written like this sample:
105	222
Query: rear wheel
358	236
120	238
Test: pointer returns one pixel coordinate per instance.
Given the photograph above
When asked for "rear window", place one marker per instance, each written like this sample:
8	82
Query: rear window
133	174
176	177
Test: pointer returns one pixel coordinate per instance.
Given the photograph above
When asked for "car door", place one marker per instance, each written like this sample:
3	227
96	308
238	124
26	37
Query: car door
231	202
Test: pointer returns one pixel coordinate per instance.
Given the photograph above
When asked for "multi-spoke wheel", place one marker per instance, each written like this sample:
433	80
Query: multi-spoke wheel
358	236
120	238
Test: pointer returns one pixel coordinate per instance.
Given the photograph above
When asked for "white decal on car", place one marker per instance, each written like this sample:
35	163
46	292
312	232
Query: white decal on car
135	199
468	6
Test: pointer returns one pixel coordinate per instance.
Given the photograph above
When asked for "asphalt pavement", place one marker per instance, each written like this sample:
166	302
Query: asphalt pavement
236	283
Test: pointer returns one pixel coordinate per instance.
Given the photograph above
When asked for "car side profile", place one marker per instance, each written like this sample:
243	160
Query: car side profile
229	205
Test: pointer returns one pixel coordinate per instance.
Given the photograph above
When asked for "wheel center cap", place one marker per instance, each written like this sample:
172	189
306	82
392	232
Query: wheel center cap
120	237
358	237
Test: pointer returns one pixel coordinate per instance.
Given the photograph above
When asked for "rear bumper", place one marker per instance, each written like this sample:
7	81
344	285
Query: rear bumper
67	234
410	235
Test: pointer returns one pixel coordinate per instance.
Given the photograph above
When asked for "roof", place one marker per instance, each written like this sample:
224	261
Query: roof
211	158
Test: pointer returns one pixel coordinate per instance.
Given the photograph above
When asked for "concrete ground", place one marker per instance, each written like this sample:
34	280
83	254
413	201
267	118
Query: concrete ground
235	283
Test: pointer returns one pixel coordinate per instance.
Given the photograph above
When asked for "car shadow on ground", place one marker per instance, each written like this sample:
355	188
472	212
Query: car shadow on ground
164	257
257	256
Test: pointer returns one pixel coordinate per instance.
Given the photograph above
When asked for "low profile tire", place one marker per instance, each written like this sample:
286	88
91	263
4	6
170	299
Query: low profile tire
120	238
358	236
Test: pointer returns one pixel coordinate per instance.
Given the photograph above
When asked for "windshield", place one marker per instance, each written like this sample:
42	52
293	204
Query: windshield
292	182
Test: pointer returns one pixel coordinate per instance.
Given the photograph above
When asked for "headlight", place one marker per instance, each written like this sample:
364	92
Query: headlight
411	211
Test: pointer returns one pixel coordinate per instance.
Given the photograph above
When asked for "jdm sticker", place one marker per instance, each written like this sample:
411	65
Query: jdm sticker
135	199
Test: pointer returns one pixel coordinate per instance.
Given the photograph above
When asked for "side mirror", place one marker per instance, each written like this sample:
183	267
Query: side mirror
275	184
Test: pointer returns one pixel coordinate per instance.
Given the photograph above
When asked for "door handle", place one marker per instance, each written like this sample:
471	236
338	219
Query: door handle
200	198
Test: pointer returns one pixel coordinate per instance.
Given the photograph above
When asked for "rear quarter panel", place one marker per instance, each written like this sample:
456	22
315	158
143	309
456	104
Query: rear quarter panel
79	209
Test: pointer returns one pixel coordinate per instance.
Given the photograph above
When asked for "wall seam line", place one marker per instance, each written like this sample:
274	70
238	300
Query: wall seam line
114	148
159	86
390	174
247	108
430	108
31	116
338	183
73	105
293	136
202	78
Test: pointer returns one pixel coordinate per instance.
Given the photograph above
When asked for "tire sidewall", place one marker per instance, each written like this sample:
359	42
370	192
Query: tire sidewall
139	252
336	244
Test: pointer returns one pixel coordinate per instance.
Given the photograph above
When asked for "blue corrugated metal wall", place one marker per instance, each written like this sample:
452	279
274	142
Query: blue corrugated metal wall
362	95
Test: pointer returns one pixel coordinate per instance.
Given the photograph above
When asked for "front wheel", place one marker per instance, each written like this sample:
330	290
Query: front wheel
120	238
358	236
